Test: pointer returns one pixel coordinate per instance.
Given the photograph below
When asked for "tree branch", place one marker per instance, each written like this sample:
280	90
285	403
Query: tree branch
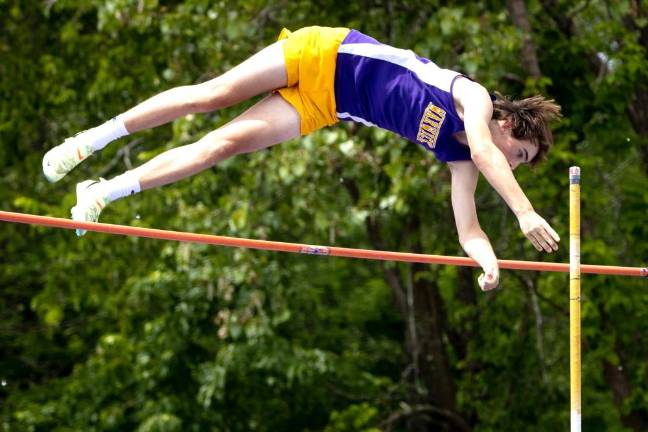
123	154
520	18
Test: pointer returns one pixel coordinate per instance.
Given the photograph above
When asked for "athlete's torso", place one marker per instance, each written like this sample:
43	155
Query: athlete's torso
378	85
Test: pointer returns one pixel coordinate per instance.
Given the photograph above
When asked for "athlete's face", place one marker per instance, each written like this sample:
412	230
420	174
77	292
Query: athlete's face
516	151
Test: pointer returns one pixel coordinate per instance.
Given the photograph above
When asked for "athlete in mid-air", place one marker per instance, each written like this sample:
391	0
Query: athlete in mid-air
317	76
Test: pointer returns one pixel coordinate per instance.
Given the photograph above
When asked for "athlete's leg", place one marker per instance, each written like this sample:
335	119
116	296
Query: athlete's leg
260	73
269	122
264	71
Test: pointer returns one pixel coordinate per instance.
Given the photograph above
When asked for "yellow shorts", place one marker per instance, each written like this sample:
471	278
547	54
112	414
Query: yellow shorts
310	54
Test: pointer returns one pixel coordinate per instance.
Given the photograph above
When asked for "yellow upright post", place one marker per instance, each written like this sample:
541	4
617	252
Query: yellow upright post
574	298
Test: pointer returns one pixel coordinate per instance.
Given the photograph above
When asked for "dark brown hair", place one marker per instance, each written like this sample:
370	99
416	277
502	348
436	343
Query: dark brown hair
529	119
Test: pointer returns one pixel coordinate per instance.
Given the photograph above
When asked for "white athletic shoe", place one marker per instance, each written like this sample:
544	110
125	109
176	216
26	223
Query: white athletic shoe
61	159
90	203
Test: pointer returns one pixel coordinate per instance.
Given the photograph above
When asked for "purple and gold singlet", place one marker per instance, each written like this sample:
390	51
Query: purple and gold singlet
394	89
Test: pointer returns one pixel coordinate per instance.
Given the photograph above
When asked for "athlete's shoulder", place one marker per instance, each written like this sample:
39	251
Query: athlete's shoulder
469	94
466	88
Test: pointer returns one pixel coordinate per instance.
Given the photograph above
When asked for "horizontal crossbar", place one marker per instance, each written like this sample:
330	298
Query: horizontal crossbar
307	249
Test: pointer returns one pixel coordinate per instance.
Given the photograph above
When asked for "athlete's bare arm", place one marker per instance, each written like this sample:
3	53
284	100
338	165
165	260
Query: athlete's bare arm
472	238
477	109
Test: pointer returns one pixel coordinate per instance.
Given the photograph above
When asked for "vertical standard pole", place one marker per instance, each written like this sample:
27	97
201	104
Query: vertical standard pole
574	298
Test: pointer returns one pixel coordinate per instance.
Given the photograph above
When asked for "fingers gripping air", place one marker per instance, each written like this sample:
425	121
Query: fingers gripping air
539	232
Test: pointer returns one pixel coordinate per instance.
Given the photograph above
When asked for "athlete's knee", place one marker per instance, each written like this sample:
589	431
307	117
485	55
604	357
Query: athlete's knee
216	148
212	95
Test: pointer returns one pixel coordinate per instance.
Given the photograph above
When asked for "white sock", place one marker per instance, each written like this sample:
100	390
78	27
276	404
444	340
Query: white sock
120	186
100	136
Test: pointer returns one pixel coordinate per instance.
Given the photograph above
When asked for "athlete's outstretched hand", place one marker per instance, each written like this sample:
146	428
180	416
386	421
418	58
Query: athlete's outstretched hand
536	229
489	280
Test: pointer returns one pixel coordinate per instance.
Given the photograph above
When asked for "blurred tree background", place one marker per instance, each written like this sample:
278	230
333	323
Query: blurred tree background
108	333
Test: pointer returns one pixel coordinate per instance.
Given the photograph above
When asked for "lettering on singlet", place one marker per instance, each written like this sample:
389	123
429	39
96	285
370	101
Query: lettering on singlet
430	125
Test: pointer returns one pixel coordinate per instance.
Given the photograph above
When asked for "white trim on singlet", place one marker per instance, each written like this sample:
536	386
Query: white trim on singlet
429	73
346	115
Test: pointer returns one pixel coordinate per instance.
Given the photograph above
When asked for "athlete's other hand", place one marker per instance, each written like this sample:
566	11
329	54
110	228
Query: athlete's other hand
538	231
489	280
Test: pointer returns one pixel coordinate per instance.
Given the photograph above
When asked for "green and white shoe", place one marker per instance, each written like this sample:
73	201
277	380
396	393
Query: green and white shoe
90	203
64	157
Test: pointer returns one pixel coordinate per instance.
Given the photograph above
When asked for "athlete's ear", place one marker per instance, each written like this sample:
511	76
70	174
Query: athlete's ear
507	124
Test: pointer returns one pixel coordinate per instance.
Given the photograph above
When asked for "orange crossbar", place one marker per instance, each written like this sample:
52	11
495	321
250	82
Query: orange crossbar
307	249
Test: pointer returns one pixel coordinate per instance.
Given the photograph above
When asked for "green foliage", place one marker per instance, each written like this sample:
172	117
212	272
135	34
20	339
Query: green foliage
110	333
